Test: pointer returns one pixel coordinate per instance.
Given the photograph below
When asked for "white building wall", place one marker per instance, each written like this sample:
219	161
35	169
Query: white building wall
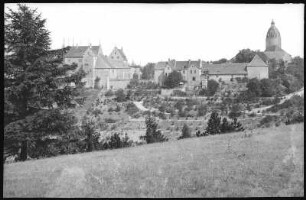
258	72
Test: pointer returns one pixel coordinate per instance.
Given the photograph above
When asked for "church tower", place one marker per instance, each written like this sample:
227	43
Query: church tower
273	38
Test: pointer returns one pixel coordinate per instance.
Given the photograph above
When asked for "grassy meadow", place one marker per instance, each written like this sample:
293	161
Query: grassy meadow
262	162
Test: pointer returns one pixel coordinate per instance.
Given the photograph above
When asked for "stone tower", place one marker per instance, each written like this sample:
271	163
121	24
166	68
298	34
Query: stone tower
273	38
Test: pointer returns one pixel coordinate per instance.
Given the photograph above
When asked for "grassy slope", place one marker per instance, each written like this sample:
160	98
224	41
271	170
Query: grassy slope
269	163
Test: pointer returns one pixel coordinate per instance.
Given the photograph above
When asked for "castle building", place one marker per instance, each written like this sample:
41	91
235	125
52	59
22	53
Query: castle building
108	72
274	45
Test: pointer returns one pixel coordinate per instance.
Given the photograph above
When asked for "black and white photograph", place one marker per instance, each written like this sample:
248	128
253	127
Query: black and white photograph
153	100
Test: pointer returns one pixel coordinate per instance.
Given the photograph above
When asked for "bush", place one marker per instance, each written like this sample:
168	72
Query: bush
131	109
120	96
186	133
115	141
110	120
296	118
152	134
179	93
267	120
109	93
202	110
235	111
213	124
96	112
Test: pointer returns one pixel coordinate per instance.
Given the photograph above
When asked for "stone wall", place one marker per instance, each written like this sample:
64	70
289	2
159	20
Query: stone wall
258	72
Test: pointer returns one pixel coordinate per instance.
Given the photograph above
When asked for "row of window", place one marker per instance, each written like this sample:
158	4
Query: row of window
194	71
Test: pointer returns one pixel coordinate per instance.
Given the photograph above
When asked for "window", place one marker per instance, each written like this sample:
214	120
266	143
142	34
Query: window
80	60
195	71
183	72
117	57
190	71
193	78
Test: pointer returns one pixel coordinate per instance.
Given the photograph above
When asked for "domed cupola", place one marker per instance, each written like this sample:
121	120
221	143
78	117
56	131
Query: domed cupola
273	38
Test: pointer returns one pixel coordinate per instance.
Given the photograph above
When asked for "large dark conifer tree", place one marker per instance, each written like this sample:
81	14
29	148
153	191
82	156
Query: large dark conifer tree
37	88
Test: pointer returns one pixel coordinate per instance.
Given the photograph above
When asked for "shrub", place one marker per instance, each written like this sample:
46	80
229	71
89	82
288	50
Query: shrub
213	124
109	93
152	134
96	112
179	93
120	96
186	133
267	120
115	141
235	111
131	109
110	120
202	110
296	118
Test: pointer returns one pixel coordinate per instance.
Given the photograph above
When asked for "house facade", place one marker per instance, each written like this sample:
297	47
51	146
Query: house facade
197	73
107	72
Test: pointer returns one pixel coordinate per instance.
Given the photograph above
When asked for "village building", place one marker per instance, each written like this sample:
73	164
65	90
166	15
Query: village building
108	72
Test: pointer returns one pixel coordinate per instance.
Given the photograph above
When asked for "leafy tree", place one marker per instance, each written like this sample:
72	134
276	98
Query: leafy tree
222	60
254	87
120	96
236	126
135	76
212	87
267	89
148	71
202	110
225	126
173	80
97	83
235	111
35	80
213	124
152	134
246	56
186	133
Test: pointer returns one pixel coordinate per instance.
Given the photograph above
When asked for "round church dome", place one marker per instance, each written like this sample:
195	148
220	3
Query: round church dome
273	39
273	32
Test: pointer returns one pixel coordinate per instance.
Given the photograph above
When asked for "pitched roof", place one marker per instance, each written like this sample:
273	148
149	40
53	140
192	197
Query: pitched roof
225	68
103	63
118	63
122	54
160	65
257	62
280	54
95	49
76	52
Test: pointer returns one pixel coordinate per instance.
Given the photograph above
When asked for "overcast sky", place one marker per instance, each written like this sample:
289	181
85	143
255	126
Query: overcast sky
155	32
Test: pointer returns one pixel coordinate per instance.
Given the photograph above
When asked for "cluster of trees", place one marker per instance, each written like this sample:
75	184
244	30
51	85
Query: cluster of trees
215	126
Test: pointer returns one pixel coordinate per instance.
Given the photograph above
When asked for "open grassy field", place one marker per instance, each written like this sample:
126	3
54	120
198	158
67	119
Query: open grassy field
265	162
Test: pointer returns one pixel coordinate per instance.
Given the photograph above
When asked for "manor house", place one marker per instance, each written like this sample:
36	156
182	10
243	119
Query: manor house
108	72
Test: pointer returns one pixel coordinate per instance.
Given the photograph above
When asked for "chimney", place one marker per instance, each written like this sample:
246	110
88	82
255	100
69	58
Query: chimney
200	63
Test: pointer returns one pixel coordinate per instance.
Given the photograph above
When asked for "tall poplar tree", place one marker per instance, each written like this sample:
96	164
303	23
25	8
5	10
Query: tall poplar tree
37	88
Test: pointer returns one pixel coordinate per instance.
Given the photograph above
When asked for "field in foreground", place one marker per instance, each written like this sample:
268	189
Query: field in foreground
265	162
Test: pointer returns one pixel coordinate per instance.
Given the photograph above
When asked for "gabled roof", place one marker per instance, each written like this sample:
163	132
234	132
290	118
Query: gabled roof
95	49
76	52
257	62
225	68
122	54
103	63
160	65
118	63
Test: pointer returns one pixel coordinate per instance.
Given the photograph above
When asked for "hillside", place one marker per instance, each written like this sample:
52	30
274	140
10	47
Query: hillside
265	162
